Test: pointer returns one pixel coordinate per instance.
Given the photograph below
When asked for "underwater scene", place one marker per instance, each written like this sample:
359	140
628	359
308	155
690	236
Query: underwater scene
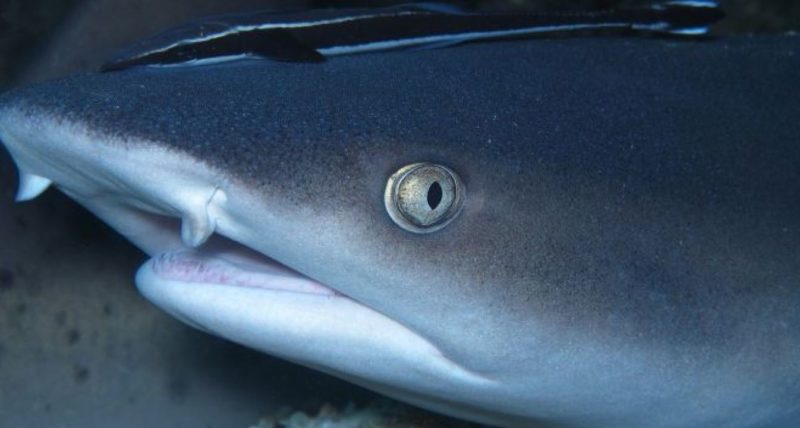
364	214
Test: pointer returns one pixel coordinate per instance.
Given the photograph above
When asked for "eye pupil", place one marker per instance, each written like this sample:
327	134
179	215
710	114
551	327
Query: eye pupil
434	195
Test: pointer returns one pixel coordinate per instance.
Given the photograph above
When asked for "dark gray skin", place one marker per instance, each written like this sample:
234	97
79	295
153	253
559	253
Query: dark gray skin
623	197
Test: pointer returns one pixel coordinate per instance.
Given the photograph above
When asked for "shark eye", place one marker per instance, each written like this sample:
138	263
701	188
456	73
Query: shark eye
423	197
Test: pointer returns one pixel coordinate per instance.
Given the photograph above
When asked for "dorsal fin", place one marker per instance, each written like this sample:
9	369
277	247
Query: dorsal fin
313	35
277	44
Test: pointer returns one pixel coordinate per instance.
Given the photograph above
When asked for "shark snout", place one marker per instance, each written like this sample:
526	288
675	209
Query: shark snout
113	177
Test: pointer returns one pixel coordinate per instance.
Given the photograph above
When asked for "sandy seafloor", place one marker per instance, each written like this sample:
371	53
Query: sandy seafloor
78	346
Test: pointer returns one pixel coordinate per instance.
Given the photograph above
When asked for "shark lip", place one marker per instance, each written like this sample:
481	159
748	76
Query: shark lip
222	261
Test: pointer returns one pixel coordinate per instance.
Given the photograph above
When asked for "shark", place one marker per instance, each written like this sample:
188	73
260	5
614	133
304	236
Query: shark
560	233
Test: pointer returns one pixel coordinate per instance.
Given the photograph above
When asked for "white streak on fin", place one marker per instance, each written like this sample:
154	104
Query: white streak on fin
31	186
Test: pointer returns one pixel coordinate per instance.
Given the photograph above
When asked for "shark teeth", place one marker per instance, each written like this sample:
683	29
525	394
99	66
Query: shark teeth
196	229
198	225
31	186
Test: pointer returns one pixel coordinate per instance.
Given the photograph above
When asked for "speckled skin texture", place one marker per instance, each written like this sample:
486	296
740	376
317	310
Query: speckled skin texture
624	196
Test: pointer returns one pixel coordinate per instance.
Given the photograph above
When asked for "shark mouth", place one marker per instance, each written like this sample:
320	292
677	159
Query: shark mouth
178	256
193	266
181	257
178	253
217	260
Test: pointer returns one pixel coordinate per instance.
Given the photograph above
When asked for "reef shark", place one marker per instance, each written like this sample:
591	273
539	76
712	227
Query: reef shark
568	232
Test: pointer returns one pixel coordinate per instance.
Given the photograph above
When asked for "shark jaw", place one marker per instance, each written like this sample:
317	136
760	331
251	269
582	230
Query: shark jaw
217	267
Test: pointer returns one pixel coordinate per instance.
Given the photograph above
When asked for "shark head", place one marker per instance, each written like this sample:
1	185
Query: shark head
275	238
461	229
